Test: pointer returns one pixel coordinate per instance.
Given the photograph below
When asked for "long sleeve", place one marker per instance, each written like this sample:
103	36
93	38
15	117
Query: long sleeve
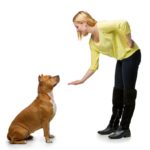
118	26
94	60
113	42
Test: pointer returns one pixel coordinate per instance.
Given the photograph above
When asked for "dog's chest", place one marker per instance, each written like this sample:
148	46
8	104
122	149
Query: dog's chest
52	102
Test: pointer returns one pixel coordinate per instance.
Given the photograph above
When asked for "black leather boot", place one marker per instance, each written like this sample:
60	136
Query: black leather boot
117	101
129	106
107	130
120	133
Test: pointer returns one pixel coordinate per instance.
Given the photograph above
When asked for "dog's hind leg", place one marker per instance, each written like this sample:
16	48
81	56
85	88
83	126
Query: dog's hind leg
14	141
19	135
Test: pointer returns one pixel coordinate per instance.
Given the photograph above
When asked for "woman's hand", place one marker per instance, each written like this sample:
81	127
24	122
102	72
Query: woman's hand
129	40
131	44
76	82
88	74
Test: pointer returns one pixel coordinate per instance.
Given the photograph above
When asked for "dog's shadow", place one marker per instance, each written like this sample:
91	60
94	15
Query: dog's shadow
36	141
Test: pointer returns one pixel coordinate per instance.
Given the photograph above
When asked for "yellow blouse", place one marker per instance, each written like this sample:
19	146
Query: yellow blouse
113	42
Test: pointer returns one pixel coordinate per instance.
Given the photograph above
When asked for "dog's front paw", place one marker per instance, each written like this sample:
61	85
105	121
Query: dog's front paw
48	140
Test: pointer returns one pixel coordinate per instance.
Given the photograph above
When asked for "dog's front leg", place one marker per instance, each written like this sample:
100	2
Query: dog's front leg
50	135
45	126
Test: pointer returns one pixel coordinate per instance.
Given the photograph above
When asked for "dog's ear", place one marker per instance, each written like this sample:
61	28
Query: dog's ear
40	77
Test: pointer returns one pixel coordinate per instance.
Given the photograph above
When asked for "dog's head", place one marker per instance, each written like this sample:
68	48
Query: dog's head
47	83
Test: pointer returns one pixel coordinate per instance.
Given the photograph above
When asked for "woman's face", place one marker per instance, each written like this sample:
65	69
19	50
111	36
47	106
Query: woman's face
82	28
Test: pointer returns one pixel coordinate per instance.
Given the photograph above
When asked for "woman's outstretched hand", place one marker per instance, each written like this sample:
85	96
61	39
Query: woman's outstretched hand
85	77
76	82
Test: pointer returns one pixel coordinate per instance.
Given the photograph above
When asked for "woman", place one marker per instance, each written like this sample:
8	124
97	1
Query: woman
113	38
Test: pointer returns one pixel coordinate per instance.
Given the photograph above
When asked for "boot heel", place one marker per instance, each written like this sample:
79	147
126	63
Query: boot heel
127	135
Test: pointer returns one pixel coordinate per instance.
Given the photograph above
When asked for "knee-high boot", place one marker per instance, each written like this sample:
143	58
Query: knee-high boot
117	102
129	106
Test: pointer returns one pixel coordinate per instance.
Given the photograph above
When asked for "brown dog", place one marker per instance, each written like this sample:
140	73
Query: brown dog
37	115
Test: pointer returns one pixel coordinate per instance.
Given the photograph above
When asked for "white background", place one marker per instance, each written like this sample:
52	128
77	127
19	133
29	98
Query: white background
38	37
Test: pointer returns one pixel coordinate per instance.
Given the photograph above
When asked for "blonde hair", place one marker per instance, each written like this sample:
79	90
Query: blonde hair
83	16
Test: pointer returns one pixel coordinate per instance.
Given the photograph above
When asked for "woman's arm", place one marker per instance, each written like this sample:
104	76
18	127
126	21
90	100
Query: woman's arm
117	25
88	74
121	26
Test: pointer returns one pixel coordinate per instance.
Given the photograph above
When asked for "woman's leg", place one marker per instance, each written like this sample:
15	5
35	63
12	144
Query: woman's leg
117	101
118	76
129	74
130	71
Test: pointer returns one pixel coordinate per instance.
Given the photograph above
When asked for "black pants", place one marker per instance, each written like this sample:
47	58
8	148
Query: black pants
126	71
124	93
